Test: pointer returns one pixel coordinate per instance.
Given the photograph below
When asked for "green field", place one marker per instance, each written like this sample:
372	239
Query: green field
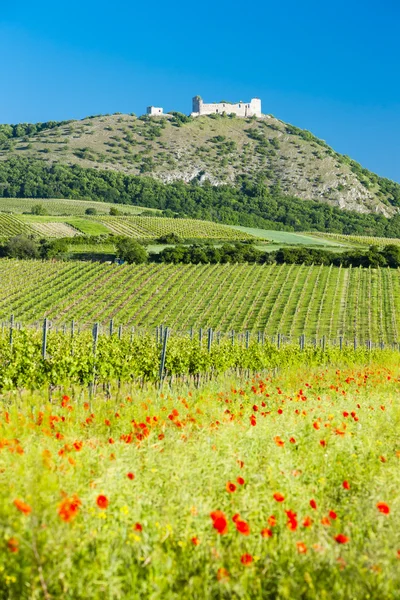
279	487
141	228
355	240
291	239
58	206
290	300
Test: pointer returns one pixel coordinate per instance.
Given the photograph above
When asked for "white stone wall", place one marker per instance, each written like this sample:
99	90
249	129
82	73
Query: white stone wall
241	109
154	111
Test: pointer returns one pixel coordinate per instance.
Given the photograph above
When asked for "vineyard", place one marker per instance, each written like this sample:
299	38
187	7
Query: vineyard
10	226
154	227
141	228
58	206
288	299
360	240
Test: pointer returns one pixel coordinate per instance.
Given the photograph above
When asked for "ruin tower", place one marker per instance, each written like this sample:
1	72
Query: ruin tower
197	105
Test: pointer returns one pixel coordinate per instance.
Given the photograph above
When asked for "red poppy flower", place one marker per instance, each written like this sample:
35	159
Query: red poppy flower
235	517
383	508
230	487
332	515
272	521
68	508
316	425
341	539
240	480
326	521
266	533
107	422
220	522
102	501
292	520
253	420
307	522
138	527
292	440
279	441
246	559
301	547
278	497
13	545
130	476
195	541
346	485
242	527
323	443
313	504
22	507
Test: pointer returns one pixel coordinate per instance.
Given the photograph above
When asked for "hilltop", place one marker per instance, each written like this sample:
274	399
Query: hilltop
221	150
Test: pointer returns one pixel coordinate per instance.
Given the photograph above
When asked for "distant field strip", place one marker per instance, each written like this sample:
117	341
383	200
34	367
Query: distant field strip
10	226
154	227
286	299
55	229
60	206
357	239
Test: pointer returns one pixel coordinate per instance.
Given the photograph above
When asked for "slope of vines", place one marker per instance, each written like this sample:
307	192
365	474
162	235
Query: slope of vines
287	299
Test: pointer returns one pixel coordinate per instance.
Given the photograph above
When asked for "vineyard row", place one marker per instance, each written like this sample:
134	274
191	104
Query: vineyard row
288	299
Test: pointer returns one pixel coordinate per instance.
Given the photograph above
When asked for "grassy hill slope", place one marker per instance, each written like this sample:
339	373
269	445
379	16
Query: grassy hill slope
218	150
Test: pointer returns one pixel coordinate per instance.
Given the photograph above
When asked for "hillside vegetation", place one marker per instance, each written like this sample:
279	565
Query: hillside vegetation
216	148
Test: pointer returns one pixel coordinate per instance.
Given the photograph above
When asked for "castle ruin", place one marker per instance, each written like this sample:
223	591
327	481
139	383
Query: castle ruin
241	109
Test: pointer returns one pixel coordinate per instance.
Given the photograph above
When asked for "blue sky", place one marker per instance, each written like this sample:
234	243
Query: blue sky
332	68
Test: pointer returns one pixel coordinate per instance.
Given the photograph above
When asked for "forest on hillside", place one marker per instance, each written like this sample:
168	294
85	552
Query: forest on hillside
249	203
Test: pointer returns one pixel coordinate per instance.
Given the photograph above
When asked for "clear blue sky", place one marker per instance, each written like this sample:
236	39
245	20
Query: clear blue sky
330	67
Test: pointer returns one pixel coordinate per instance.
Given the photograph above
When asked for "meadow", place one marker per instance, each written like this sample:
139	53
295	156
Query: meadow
278	486
288	299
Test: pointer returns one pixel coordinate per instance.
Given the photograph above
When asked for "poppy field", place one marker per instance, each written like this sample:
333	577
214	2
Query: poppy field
277	486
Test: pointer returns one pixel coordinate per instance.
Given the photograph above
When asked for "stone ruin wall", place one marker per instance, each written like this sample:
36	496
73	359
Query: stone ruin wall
240	109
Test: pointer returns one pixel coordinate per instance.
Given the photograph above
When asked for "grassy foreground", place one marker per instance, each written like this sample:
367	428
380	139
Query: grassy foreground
282	487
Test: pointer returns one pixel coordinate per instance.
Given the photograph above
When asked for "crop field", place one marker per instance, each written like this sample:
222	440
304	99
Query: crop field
292	239
154	227
130	226
360	240
57	230
275	487
10	226
287	299
58	206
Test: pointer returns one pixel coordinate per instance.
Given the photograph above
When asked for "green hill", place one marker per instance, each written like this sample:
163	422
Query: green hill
251	172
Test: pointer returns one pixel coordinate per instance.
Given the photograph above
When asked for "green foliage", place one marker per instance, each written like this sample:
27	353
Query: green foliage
242	204
114	212
27	129
131	251
201	254
21	246
39	209
91	211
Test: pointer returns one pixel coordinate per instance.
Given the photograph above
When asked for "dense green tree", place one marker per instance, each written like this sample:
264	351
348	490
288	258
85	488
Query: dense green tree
39	209
21	246
131	251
